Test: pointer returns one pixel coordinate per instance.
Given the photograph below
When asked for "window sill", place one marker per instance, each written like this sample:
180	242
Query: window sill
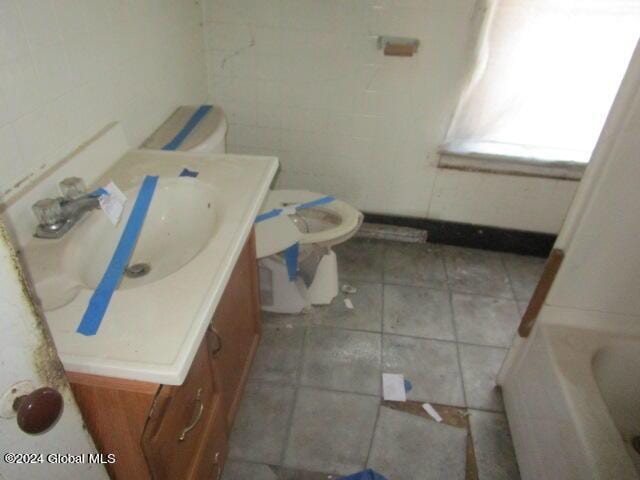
458	158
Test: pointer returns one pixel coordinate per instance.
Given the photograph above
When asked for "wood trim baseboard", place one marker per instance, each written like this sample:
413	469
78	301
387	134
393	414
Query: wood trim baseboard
540	294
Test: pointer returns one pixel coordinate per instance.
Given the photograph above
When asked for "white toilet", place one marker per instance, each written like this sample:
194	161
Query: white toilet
294	231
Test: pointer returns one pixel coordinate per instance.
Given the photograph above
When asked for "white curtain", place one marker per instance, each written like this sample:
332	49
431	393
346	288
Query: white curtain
546	77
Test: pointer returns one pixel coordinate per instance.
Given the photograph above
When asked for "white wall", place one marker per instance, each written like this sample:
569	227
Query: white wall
70	67
304	80
601	270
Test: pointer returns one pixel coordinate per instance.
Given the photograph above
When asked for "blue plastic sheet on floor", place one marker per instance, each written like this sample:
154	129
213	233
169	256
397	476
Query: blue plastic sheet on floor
188	173
364	475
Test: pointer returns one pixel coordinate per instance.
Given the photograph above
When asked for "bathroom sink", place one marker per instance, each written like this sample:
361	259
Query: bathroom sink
192	236
180	222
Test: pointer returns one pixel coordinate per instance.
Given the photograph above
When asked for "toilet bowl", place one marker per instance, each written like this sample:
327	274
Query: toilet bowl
294	231
325	225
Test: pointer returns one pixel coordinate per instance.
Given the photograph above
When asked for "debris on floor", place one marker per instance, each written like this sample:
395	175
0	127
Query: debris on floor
379	231
365	475
432	412
348	289
393	387
452	416
348	303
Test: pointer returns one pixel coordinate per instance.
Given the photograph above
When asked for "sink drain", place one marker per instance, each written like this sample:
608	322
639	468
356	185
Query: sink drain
137	270
635	443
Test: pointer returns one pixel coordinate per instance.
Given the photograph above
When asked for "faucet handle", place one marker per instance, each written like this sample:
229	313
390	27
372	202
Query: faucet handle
48	211
72	188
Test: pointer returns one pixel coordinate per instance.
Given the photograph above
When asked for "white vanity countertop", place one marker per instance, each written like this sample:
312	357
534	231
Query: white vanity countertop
152	332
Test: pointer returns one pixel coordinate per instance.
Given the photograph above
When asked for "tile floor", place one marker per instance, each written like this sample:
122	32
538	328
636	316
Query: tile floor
443	316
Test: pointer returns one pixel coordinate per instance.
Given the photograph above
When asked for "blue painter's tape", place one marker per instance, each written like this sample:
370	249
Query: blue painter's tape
365	475
316	203
291	253
267	215
99	192
188	173
291	258
101	297
196	118
278	211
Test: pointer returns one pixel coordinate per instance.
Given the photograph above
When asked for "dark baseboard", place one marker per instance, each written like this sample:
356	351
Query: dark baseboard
474	236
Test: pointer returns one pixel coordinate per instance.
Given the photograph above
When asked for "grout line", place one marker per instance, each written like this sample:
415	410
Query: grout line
334	390
509	279
381	364
362	394
382	263
447	287
275	383
444	288
296	390
486	410
373	435
455	333
393	334
520	315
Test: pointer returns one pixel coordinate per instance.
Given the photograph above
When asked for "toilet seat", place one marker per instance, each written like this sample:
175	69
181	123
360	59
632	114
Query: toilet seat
350	219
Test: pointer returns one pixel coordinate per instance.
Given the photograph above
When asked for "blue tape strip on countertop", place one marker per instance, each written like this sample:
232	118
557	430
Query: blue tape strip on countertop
196	118
276	212
188	173
101	297
99	192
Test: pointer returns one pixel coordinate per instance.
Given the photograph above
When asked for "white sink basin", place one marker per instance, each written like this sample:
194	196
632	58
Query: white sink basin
180	222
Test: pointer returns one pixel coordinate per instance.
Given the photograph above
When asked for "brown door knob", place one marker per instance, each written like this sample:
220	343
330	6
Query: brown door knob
38	411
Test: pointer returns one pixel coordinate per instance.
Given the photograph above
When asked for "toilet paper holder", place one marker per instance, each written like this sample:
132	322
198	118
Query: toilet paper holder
398	46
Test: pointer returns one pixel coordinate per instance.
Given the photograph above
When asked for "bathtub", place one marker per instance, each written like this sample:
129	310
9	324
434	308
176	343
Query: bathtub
573	403
616	369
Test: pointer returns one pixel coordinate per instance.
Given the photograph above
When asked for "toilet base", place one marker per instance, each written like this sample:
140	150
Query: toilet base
281	295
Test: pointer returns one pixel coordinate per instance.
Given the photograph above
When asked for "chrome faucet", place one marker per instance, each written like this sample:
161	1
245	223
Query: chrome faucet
57	215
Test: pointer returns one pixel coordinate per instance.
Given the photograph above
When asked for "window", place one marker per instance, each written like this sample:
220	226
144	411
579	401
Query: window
546	76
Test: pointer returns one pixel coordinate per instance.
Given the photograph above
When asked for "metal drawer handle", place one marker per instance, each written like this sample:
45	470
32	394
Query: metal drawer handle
196	417
215	333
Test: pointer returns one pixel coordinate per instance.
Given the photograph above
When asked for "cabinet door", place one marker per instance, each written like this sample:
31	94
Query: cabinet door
235	330
179	429
215	448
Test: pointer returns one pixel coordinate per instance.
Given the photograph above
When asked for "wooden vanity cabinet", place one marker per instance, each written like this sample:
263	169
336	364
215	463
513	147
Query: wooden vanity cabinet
180	431
181	424
234	332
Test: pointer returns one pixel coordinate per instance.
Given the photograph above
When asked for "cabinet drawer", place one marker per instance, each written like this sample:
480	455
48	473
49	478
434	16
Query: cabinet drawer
178	428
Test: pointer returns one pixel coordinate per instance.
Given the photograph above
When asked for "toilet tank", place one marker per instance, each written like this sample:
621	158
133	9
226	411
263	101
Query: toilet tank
202	129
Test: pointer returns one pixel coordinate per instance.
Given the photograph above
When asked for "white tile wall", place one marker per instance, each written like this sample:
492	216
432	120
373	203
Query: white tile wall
70	67
491	199
304	80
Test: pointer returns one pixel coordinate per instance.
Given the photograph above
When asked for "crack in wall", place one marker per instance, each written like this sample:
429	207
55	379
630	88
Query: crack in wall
239	51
